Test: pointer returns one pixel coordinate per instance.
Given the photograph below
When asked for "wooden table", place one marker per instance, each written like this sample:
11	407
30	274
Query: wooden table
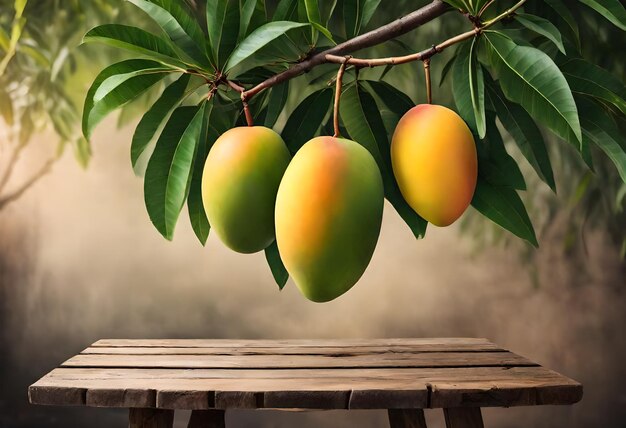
154	377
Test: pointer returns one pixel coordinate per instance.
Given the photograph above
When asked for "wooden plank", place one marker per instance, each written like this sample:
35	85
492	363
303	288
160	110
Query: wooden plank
390	359
310	399
150	418
406	418
303	350
185	396
121	397
229	343
367	388
207	419
466	417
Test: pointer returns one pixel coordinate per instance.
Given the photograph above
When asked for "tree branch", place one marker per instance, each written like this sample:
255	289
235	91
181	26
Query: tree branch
15	154
427	53
7	199
386	32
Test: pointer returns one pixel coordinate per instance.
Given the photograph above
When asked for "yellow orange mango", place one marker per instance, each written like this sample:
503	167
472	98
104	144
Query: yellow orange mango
434	161
328	215
239	184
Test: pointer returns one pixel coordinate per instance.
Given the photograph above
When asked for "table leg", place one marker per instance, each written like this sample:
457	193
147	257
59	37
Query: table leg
207	419
463	417
150	418
406	418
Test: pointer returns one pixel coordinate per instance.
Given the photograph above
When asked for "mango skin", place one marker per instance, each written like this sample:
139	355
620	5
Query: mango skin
434	160
239	184
329	211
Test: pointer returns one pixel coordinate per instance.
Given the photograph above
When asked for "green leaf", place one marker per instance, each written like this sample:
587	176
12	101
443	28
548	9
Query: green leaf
503	206
468	88
181	28
116	81
541	26
529	77
357	14
223	22
195	207
601	130
94	111
279	272
314	17
285	10
247	11
135	40
525	133
276	103
306	119
365	125
351	17
168	176
6	107
260	38
458	4
613	10
564	13
155	116
82	151
369	8
588	79
395	100
495	164
447	67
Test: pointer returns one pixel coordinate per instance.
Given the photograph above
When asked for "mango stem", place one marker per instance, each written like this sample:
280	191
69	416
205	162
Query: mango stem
338	87
429	92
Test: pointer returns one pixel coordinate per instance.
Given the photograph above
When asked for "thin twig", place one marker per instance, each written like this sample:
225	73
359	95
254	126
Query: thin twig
382	34
7	199
338	87
8	172
485	7
246	110
427	53
429	91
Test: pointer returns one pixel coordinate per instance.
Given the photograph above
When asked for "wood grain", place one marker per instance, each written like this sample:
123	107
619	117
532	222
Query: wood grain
311	343
400	374
390	359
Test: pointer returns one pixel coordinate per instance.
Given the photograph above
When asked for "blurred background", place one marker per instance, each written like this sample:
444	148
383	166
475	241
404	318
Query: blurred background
80	260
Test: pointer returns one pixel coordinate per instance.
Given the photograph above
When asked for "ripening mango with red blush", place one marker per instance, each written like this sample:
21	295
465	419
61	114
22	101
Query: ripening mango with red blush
329	211
239	184
435	163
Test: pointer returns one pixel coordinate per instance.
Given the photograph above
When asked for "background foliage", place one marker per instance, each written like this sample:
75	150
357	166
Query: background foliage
531	146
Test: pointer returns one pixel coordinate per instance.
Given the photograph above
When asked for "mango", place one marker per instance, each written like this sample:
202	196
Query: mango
239	184
329	211
435	163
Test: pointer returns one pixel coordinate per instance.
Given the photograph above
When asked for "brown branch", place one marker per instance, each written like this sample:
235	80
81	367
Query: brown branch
427	53
338	87
7	199
386	32
8	172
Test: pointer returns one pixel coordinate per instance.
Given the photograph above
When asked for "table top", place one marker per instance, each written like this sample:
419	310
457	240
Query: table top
298	374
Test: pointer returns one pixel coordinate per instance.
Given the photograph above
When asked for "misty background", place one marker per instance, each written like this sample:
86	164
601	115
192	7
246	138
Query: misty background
80	261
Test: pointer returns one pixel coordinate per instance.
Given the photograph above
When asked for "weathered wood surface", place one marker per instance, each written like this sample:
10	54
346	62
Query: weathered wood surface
345	360
358	374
